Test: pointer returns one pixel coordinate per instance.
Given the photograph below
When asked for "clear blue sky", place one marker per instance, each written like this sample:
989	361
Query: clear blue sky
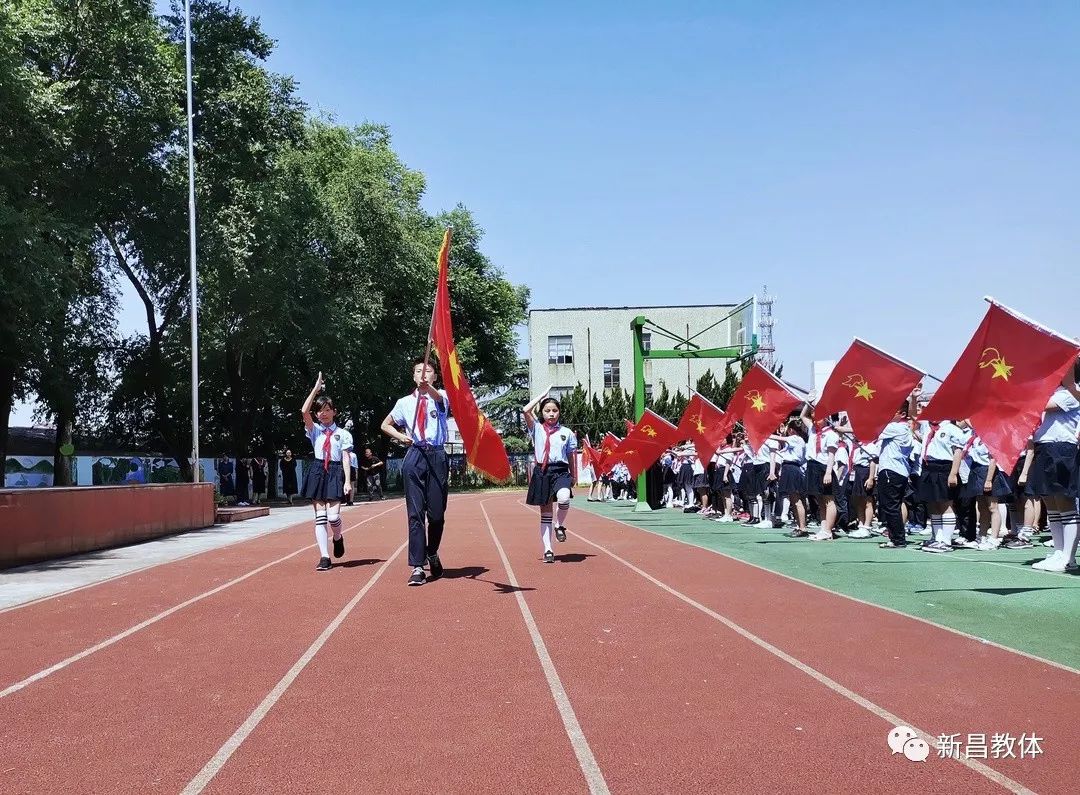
879	166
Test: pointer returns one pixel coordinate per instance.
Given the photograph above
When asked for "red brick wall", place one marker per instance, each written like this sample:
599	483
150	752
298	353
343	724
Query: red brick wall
41	524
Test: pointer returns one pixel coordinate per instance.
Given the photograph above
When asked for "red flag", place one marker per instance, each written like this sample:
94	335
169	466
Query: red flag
706	425
645	444
608	445
761	402
1002	380
869	385
591	456
483	446
629	426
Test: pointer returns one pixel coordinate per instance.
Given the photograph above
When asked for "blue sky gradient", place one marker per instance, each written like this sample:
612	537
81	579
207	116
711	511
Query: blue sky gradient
880	167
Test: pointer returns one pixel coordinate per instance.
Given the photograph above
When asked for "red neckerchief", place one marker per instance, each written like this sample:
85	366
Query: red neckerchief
547	441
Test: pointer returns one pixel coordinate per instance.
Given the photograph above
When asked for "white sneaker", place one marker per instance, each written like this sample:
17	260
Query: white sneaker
821	535
861	532
764	524
989	544
727	518
1055	561
926	531
1049	543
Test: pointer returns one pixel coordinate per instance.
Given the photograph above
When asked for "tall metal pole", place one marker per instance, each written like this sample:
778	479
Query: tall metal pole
636	325
191	239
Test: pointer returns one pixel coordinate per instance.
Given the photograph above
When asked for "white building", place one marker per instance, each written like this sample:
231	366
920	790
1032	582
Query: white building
593	346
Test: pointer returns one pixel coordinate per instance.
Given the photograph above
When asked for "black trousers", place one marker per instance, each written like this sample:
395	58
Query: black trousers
374	486
890	491
425	472
840	497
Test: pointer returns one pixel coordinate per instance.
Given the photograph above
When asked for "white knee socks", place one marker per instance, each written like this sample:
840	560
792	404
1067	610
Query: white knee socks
1057	530
563	496
1070	522
545	528
333	515
320	534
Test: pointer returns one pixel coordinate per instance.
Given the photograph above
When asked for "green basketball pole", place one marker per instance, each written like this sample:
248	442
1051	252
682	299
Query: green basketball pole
684	349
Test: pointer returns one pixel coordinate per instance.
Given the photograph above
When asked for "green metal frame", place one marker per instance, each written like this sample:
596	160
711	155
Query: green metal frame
684	348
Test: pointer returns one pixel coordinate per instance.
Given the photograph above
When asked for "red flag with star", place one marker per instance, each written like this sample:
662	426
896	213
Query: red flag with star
608	445
484	448
651	436
761	402
706	424
869	385
629	426
1002	381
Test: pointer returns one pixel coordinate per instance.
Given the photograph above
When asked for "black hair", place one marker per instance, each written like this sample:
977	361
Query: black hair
544	402
903	410
321	402
430	363
1076	371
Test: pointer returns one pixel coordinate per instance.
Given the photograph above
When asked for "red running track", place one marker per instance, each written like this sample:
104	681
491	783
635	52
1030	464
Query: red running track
712	676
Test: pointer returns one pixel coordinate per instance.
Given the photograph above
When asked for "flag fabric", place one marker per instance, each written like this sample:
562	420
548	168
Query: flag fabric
703	422
608	445
1002	381
484	448
641	448
629	426
761	401
592	456
870	385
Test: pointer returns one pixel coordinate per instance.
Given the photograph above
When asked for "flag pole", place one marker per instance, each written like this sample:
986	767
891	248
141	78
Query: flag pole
193	277
994	302
897	359
431	326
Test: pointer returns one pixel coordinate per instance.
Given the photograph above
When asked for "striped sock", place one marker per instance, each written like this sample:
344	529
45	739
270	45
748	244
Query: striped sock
1057	531
320	534
545	529
935	527
948	528
1070	524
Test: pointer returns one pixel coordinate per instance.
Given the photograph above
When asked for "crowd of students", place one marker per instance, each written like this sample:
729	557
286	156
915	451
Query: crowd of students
933	483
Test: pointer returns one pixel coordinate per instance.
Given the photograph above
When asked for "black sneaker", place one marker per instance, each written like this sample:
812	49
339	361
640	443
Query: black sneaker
560	533
324	564
417	577
436	566
339	547
549	557
1018	543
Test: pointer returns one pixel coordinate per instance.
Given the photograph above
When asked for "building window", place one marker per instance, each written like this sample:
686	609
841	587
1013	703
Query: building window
740	335
561	350
611	373
648	393
560	392
646	342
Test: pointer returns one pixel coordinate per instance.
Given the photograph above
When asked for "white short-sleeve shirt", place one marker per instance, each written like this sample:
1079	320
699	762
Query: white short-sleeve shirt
340	440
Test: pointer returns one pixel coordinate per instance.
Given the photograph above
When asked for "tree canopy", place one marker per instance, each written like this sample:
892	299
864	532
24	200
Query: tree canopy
314	249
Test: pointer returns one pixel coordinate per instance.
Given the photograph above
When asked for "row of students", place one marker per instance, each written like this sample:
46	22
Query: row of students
942	467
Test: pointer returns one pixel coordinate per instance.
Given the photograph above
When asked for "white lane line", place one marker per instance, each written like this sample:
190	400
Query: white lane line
177	559
836	687
586	760
920	619
162	615
213	767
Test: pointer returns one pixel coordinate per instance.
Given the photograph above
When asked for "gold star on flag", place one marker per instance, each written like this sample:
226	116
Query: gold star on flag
757	402
1001	369
648	431
455	367
700	425
863	390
